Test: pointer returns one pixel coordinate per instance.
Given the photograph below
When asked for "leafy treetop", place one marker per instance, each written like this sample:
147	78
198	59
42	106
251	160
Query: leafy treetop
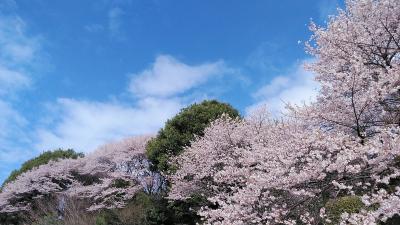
183	128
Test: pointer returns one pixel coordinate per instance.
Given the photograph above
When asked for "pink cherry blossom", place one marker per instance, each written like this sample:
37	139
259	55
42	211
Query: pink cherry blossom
264	171
93	177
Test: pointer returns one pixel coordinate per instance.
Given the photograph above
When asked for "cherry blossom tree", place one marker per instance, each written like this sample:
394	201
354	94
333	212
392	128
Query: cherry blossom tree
358	57
108	177
346	143
282	172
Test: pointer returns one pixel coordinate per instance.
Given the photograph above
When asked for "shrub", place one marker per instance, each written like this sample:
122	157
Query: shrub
397	161
108	217
86	179
180	130
42	159
48	220
143	209
136	211
160	210
395	220
11	218
347	204
121	183
46	211
147	209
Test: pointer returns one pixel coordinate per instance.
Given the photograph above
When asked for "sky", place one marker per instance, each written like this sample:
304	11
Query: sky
80	73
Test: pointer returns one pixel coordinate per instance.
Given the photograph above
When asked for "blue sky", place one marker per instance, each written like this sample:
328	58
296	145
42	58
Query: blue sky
79	73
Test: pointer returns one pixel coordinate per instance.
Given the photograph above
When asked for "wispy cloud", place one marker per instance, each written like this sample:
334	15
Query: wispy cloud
12	80
295	87
158	92
19	53
266	57
115	22
17	49
114	14
11	121
83	125
168	77
12	136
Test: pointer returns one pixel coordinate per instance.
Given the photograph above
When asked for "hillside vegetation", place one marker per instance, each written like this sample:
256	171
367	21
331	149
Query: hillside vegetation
42	159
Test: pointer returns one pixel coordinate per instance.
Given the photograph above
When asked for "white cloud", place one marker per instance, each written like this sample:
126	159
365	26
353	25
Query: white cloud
10	121
84	125
12	138
11	80
296	87
16	47
19	53
273	87
169	77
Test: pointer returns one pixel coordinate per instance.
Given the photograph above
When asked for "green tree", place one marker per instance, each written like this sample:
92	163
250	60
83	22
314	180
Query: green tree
179	131
42	159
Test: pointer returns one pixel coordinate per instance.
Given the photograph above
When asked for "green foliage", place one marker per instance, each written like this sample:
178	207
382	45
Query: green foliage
11	218
395	220
394	182
120	183
176	212
42	159
397	161
108	217
181	130
48	220
145	209
336	207
86	179
170	141
136	211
